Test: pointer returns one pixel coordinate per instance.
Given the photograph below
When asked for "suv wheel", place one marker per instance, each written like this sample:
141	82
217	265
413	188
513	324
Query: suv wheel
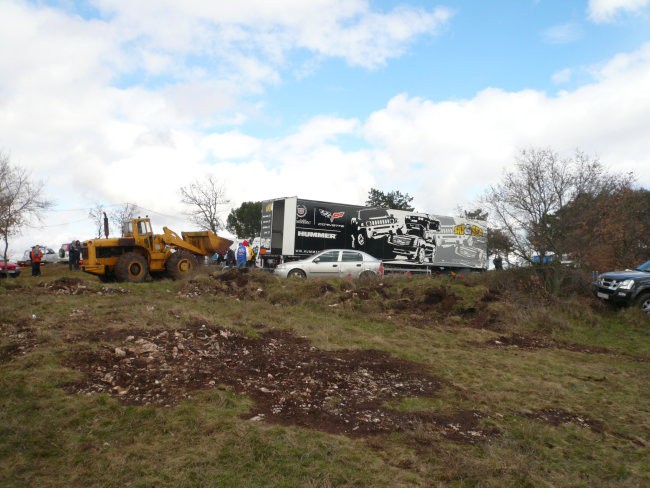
643	302
419	255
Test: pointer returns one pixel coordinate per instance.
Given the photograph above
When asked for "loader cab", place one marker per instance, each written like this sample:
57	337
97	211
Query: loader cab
137	228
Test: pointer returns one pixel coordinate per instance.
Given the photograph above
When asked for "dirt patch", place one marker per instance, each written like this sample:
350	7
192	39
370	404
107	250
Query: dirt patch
234	283
77	286
289	381
18	339
557	416
486	319
530	342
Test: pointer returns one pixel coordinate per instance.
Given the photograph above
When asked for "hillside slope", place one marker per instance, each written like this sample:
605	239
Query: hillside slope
240	379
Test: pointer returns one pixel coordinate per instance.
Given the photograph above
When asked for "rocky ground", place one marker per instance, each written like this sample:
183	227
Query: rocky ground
288	380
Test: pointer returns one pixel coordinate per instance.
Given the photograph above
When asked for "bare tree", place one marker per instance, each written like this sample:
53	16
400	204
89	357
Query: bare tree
20	200
206	200
528	205
121	214
97	214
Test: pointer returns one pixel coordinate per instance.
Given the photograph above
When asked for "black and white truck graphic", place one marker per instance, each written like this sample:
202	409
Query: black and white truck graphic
294	227
417	239
372	223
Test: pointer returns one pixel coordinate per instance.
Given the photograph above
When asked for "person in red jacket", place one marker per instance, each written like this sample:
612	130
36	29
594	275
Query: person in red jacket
35	256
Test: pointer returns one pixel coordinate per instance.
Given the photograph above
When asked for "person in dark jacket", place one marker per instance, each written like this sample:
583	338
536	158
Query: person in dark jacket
230	258
73	256
76	245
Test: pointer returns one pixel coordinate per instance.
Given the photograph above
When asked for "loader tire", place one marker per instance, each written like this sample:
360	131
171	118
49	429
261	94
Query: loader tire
182	265
131	267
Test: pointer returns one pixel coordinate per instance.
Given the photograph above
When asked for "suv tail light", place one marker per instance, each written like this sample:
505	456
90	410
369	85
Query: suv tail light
381	268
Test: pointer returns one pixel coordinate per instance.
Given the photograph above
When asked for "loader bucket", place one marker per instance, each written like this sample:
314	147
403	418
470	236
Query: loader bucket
207	241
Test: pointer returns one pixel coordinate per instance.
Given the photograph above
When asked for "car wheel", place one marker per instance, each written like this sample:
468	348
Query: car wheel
643	302
131	267
296	273
367	277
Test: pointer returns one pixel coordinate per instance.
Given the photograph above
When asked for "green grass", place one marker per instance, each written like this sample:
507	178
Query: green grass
51	438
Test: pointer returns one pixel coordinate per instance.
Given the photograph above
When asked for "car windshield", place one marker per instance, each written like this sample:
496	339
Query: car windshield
373	213
644	267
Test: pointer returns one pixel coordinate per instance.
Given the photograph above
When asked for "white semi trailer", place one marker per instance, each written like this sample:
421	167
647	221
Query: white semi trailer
293	228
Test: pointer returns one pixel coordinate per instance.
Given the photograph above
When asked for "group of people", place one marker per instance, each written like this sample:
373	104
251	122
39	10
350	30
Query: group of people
243	257
225	258
74	256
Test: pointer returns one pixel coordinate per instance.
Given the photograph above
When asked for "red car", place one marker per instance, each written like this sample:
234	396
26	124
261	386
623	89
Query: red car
12	270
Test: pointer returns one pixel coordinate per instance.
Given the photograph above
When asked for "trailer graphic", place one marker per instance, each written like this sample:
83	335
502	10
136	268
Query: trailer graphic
294	227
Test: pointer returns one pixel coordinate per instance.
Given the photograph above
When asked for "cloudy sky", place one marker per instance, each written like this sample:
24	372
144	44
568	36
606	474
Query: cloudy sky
115	101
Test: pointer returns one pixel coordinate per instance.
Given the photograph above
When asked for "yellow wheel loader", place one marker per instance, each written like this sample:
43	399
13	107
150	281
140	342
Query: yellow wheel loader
140	252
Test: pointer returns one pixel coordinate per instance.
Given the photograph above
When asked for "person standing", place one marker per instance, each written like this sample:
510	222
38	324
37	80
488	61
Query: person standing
498	262
230	259
242	255
35	256
71	255
250	256
74	254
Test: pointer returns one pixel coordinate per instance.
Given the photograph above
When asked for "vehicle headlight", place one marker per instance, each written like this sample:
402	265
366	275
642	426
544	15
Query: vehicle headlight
626	285
281	266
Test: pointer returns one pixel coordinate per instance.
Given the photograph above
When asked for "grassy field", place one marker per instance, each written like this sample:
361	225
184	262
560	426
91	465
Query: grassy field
246	380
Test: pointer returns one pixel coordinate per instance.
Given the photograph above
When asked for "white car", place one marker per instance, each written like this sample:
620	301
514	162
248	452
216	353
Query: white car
49	255
333	263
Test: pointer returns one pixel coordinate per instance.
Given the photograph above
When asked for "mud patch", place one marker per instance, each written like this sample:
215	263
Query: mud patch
557	416
17	340
531	343
77	286
234	283
289	381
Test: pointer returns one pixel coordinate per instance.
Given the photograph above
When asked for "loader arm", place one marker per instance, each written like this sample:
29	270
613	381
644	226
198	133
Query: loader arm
171	238
203	243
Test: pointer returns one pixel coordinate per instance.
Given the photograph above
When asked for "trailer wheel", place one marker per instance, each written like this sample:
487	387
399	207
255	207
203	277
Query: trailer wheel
131	267
643	302
181	265
296	273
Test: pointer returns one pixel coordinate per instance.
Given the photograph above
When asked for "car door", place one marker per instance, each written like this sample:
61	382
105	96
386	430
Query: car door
351	264
325	265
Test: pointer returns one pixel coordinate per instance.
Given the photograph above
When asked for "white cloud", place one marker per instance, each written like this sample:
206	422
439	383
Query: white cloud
349	29
562	33
562	76
85	106
607	10
465	144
